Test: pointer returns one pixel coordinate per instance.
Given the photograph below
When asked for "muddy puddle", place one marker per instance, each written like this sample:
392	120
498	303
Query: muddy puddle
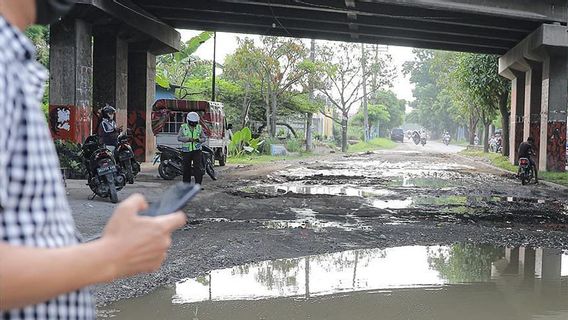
461	281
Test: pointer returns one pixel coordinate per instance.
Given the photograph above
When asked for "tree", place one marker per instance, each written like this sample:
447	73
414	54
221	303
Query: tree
375	114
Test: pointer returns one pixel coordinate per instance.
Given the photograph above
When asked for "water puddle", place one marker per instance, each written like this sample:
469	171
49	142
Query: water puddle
462	281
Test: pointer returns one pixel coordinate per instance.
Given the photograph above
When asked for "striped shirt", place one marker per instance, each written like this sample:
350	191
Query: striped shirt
33	208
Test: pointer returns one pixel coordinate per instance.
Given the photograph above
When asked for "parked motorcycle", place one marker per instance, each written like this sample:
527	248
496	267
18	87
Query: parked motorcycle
171	161
526	173
105	178
124	156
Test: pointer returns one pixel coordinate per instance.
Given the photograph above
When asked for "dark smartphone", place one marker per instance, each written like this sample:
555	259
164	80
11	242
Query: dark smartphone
174	199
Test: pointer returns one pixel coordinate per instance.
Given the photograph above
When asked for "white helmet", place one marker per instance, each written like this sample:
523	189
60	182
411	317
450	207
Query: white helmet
192	117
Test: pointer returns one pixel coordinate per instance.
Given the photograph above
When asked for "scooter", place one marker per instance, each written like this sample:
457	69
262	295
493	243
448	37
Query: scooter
105	178
171	161
526	173
124	156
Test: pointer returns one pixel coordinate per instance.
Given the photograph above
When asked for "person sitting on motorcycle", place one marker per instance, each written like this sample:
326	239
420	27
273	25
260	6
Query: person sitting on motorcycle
526	150
108	130
191	136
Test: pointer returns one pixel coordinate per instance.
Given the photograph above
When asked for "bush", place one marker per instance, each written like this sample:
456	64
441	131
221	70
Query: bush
293	145
70	158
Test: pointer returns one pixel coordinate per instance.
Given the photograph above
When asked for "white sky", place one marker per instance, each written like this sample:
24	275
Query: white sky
227	43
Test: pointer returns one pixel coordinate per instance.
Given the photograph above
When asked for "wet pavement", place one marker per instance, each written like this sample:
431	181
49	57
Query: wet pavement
334	207
416	282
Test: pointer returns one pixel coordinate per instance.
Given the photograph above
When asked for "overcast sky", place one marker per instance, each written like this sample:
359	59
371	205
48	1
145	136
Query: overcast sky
227	43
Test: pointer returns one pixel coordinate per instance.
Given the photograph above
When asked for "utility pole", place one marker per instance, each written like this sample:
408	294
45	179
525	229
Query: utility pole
365	110
214	65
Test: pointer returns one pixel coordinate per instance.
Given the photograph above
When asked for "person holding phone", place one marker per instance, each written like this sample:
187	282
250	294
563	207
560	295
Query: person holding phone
44	269
191	136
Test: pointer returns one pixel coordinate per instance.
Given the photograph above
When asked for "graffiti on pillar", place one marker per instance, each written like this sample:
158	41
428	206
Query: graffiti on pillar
535	133
519	127
137	125
61	122
556	146
83	119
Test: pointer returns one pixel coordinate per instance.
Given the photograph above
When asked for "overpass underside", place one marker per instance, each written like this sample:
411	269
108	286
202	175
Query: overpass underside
105	51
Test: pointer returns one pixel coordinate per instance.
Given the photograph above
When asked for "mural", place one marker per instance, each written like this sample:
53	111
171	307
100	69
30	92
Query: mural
556	146
68	122
137	124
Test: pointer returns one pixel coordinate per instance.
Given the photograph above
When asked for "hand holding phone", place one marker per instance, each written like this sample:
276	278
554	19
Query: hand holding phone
174	199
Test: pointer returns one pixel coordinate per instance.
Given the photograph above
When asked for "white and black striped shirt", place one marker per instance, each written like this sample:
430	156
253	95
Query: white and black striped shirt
33	208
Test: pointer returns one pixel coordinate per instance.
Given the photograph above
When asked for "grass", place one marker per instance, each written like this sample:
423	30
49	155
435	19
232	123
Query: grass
263	158
461	143
375	144
503	162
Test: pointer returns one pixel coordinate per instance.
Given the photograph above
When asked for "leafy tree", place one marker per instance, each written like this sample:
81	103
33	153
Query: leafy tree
376	114
464	262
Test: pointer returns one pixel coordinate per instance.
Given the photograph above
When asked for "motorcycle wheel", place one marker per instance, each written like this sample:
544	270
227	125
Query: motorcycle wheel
523	181
223	159
112	190
209	168
129	174
165	172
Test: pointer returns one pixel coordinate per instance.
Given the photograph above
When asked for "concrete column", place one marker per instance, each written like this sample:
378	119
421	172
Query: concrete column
533	96
512	256
552	155
110	76
141	97
527	262
517	114
71	71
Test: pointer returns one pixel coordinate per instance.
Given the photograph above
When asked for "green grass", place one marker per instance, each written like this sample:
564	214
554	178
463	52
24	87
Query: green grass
263	158
503	162
375	144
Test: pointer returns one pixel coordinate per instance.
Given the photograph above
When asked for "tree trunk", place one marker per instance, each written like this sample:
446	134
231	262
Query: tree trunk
472	129
505	122
273	116
344	134
486	137
365	109
245	106
268	124
309	121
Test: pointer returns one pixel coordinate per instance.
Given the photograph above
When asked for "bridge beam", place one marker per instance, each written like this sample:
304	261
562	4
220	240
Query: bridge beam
543	58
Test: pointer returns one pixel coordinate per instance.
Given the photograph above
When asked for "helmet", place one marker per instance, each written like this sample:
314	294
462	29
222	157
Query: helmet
192	118
530	139
106	110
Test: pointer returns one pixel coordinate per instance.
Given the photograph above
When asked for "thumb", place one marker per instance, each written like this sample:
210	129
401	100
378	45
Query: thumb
133	204
172	221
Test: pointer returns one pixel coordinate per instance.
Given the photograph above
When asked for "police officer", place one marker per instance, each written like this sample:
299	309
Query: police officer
191	136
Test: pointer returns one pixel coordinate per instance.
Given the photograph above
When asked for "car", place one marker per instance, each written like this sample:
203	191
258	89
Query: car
397	135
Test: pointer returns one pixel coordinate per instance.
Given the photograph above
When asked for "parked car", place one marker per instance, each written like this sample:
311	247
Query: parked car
169	114
397	135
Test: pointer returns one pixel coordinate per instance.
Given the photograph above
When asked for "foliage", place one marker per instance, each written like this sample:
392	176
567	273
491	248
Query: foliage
464	262
70	158
243	142
39	35
495	159
374	144
293	145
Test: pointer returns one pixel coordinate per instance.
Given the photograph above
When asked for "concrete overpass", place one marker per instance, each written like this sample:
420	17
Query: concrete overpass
131	32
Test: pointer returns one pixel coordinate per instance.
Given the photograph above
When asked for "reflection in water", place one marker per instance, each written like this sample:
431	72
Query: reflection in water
462	281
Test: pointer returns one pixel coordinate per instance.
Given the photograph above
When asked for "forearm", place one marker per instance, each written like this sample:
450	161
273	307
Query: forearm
32	275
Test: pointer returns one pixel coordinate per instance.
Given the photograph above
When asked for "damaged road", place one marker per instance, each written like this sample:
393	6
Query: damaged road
289	209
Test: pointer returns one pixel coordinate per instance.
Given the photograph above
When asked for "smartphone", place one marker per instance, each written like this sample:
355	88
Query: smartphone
174	199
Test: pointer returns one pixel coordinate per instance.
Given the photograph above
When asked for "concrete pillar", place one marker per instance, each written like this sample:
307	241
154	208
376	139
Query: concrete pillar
110	76
517	114
512	256
552	155
141	97
533	96
527	262
70	88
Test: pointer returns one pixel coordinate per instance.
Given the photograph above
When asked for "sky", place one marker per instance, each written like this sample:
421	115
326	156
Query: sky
227	43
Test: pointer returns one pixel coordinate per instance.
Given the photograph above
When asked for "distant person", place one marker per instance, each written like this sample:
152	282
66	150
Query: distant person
108	130
230	131
191	136
526	150
44	269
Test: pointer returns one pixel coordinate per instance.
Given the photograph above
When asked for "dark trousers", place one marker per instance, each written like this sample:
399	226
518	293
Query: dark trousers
192	166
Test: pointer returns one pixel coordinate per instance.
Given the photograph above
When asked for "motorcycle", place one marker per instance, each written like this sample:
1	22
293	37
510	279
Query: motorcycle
124	157
526	172
171	161
423	141
416	139
105	178
446	140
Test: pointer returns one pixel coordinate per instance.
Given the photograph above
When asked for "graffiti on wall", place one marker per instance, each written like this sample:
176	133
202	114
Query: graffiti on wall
137	124
556	146
69	122
535	133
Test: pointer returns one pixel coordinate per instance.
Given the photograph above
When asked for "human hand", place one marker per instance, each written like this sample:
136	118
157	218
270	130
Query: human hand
138	244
